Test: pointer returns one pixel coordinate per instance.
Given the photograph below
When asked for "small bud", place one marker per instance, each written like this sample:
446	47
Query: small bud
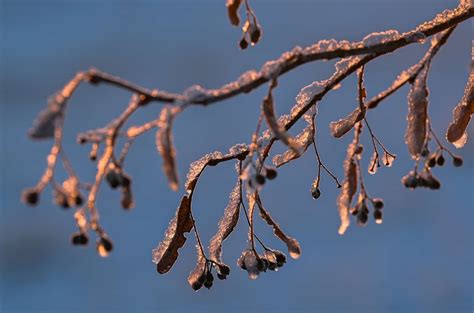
79	239
221	276
270	173
378	203
457	161
440	159
30	196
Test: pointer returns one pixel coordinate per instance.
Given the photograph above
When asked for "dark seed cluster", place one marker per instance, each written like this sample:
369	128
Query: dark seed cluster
424	179
117	178
254	263
206	278
361	210
257	180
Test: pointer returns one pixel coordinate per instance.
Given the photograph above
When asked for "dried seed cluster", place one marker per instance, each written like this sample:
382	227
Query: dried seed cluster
251	30
255	264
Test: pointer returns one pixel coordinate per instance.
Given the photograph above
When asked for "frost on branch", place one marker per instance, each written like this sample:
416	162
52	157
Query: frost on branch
166	253
417	118
341	127
164	143
456	133
45	123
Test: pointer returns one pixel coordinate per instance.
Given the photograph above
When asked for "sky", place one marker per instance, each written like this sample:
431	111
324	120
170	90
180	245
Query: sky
419	260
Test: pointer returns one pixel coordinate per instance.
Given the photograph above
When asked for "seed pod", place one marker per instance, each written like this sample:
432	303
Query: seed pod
425	152
315	192
362	218
113	179
378	203
431	162
255	35
280	258
104	247
241	262
426	179
79	239
30	196
410	180
440	159
79	200
243	44
270	173
221	277
124	180
457	161
260	179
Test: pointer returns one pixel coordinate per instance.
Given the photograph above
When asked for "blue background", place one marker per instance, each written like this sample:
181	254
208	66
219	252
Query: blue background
419	260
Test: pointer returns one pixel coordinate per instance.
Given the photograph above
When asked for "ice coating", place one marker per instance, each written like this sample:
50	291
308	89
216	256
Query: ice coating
303	139
196	168
273	68
306	95
380	37
226	224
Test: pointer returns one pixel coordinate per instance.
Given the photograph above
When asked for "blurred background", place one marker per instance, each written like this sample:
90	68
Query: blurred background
418	260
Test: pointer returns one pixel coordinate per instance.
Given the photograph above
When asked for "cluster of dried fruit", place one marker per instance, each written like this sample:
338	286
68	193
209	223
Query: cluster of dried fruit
251	30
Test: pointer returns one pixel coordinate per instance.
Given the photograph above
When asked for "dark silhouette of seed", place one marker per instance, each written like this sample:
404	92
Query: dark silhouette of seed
31	196
243	44
79	239
440	159
431	162
270	173
255	35
260	179
378	203
457	161
315	192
